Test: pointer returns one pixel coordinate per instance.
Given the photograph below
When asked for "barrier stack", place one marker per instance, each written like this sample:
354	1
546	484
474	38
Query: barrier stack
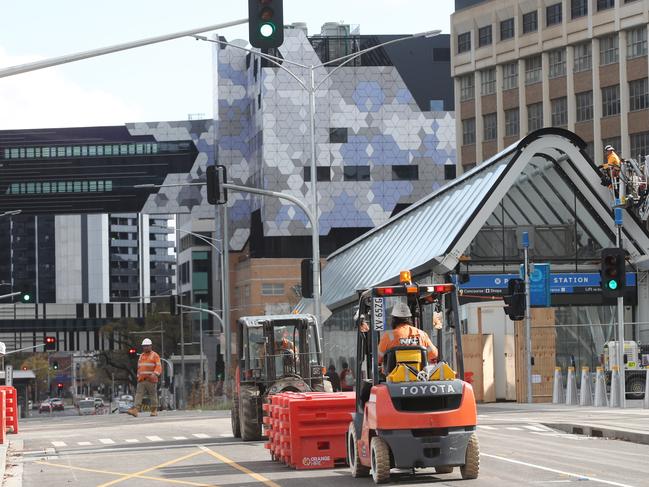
10	408
3	417
307	430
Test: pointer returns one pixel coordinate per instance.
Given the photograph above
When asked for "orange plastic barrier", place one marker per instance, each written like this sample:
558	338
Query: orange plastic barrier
3	417
307	430
11	408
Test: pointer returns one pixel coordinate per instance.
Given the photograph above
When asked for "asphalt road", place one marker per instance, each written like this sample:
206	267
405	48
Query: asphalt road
197	448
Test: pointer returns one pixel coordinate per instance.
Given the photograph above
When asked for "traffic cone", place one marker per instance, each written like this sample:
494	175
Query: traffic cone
586	391
571	388
557	389
600	389
645	403
615	387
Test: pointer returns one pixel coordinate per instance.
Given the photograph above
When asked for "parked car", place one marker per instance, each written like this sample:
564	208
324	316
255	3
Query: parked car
45	407
99	402
57	404
86	407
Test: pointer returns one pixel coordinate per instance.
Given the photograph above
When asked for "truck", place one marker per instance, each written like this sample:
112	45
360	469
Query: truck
276	353
636	361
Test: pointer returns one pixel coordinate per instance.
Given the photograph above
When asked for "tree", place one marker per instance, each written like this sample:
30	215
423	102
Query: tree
38	363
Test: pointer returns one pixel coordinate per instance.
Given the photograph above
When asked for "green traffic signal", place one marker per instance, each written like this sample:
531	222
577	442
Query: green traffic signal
27	297
612	285
267	30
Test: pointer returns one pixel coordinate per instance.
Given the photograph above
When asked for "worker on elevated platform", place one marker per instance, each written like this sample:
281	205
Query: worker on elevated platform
610	169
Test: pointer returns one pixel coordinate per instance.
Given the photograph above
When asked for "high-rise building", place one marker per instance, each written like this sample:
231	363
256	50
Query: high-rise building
522	65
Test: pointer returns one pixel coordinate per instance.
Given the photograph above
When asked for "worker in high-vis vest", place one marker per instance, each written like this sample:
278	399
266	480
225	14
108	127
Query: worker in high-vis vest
149	370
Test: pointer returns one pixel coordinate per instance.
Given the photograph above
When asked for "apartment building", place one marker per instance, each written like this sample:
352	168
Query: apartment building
519	66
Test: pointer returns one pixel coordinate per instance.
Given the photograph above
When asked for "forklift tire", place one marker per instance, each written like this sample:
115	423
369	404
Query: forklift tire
380	458
471	467
249	420
357	469
444	469
234	417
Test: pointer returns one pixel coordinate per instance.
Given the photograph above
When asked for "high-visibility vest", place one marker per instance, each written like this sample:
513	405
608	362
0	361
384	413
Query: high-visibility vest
149	367
405	334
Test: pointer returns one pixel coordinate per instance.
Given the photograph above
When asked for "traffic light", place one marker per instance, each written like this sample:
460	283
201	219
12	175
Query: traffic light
27	297
59	386
132	351
55	365
613	273
173	308
307	278
216	176
515	299
50	344
266	23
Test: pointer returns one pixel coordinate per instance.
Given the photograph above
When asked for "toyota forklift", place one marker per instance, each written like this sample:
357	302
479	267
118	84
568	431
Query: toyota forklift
411	414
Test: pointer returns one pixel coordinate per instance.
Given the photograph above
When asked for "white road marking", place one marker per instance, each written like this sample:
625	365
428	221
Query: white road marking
107	441
513	428
154	438
84	443
180	437
561	472
132	440
200	435
59	443
485	427
226	435
535	428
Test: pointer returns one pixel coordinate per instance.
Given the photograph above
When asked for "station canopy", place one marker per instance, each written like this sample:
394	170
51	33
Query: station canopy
545	182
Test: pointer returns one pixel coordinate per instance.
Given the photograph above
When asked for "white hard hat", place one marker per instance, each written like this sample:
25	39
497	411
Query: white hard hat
401	310
609	147
147	341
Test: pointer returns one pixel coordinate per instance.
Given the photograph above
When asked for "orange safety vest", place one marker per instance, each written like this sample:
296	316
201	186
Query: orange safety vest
612	161
403	335
149	367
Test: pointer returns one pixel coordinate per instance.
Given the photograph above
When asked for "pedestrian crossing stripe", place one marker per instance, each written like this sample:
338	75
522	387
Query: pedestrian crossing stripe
485	427
84	443
180	437
200	435
107	441
154	438
59	443
132	440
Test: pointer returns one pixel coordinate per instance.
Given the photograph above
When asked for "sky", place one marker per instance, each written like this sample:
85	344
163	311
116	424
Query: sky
167	81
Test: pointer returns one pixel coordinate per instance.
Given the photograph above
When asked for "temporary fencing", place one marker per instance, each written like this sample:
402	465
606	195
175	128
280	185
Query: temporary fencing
9	413
307	430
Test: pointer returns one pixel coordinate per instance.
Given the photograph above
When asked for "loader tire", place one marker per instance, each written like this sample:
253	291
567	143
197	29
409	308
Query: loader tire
249	419
353	459
380	457
234	417
444	469
471	466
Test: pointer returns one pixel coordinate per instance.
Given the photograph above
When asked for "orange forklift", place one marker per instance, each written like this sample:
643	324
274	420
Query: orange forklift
411	414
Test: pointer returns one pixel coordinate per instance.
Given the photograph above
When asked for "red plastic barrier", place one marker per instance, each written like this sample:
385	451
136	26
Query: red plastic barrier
3	417
11	408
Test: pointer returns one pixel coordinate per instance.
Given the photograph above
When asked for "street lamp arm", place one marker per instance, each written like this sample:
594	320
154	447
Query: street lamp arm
277	61
346	59
204	239
26	348
206	310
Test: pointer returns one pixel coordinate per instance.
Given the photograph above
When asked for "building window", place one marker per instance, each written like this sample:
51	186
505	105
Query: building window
610	100
639	94
468	131
405	173
488	81
324	173
530	22
490	126
506	29
533	69
608	50
510	75
467	87
484	36
583	57
356	173
464	42
534	116
605	4
511	122
338	135
578	8
559	107
640	144
450	171
557	61
553	14
636	42
584	102
272	289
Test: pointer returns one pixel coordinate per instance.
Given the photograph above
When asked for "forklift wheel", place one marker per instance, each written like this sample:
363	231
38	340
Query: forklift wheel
380	452
354	461
471	467
234	417
444	469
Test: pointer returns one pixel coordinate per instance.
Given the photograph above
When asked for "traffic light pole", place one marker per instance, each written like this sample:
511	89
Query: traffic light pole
620	316
528	319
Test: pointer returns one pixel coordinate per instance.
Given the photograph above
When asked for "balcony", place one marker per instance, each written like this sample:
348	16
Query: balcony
162	258
125	286
124	272
123	228
123	243
124	258
161	244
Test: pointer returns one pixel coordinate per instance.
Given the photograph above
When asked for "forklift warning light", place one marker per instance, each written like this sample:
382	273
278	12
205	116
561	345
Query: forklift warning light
384	291
441	288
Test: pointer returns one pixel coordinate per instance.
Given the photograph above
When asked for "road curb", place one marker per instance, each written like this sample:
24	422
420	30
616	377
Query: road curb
12	474
598	431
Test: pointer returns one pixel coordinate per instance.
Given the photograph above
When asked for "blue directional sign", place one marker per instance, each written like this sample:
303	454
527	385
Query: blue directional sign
539	284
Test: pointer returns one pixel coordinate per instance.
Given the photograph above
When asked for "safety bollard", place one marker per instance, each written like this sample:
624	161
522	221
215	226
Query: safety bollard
645	403
571	388
614	402
600	389
586	391
557	389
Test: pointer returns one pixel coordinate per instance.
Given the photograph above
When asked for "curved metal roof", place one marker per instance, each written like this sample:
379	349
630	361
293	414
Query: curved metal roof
431	234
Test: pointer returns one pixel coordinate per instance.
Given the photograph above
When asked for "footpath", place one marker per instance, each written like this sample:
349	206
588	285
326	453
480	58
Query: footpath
629	424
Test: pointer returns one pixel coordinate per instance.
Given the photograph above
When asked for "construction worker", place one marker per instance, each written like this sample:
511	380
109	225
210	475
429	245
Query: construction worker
403	333
610	169
149	370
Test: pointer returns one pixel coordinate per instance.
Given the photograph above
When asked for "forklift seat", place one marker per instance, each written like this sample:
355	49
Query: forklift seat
398	359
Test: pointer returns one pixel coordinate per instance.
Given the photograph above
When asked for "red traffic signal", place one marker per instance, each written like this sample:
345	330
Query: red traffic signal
50	343
25	368
132	351
59	385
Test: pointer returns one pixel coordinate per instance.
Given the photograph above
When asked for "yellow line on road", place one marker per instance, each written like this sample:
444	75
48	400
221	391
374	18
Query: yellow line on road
241	468
147	470
121	474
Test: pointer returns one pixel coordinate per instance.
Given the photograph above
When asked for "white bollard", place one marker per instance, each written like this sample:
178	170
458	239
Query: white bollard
557	389
614	402
601	400
586	391
571	388
645	403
